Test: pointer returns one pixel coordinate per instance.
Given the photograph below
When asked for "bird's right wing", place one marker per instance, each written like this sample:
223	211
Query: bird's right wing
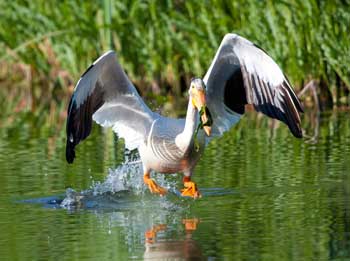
105	94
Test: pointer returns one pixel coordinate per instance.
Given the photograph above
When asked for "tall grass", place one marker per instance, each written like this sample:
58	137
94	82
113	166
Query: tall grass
161	44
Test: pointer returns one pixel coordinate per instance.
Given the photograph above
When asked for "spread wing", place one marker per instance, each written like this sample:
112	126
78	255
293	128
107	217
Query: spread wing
105	94
241	73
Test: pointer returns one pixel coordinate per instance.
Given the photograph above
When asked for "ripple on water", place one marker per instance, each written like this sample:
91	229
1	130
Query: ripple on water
265	197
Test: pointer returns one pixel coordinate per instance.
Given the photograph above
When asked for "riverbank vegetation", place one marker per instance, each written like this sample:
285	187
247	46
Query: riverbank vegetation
46	45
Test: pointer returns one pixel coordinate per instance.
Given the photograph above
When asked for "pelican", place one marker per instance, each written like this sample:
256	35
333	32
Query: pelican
241	73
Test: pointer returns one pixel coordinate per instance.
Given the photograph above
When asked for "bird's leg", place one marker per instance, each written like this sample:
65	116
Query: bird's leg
190	189
152	185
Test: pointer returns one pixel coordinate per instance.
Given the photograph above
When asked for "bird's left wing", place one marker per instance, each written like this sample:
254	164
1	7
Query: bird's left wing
241	73
105	94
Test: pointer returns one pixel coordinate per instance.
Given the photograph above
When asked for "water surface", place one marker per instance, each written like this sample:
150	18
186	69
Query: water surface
266	196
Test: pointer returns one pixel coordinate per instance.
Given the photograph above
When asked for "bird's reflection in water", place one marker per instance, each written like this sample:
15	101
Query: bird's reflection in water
165	249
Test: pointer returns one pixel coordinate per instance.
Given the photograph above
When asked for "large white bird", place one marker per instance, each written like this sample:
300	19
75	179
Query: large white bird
240	74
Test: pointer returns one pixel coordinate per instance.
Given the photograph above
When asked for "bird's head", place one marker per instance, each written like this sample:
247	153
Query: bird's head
198	98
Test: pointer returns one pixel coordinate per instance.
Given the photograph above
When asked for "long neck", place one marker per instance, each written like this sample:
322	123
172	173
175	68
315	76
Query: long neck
191	120
185	138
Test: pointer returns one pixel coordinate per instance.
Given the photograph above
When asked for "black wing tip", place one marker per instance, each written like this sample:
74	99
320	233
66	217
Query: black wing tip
298	133
70	152
294	124
292	119
70	146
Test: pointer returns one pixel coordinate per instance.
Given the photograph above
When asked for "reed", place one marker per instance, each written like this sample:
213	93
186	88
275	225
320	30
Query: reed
162	44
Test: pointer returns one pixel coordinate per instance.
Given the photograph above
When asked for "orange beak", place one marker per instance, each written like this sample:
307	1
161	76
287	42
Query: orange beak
199	101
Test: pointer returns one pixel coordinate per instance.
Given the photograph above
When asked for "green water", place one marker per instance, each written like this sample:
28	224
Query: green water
266	196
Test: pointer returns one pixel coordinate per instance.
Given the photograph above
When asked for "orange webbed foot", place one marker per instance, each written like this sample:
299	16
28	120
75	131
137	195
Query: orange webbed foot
153	186
190	189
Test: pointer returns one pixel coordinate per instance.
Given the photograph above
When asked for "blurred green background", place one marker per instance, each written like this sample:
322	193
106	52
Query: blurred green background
46	45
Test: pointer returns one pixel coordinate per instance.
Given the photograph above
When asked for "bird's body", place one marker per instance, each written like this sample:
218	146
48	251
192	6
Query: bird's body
162	153
240	74
169	147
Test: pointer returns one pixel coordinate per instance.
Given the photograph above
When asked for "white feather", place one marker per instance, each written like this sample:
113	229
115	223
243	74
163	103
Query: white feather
125	121
257	62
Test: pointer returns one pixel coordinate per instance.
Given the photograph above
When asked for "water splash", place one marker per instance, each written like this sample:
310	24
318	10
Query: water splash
121	184
127	177
72	199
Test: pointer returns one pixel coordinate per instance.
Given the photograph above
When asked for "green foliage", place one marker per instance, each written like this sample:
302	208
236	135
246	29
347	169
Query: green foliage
164	43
